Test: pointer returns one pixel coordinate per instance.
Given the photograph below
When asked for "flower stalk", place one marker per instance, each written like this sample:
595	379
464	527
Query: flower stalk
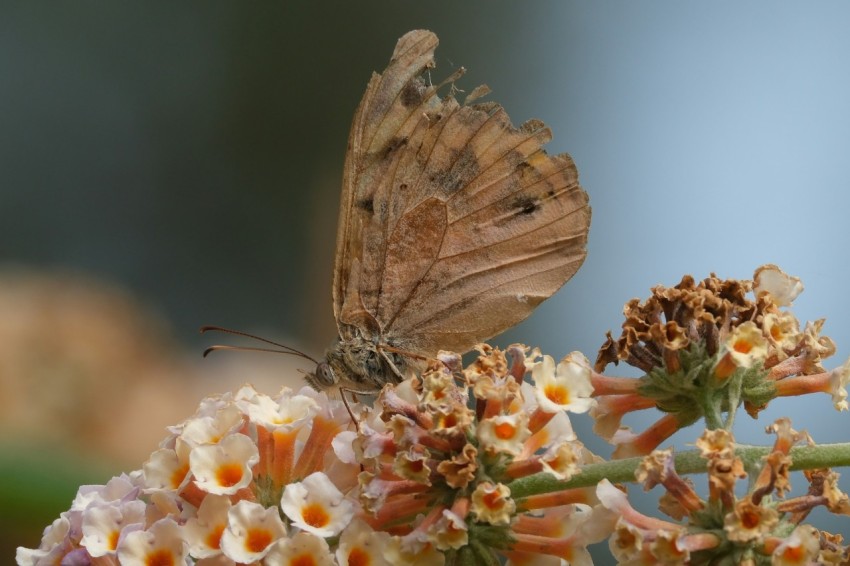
686	462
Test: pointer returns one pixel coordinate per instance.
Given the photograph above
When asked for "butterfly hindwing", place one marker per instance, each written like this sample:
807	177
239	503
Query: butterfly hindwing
454	224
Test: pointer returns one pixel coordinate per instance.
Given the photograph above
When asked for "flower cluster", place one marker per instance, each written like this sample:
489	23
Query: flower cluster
424	478
480	465
706	348
761	527
248	478
439	461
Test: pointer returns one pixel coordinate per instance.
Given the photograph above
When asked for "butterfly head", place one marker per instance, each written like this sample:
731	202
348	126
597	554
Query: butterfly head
323	377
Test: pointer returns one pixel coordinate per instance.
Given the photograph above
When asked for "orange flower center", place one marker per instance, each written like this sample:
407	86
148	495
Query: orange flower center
449	421
160	557
504	431
556	463
229	474
315	515
214	537
558	395
794	554
302	560
750	519
179	475
358	557
743	346
492	500
257	540
113	539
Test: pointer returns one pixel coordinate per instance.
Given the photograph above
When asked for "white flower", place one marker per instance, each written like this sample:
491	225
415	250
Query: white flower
303	549
504	433
168	468
746	345
211	429
398	551
800	548
781	287
119	487
562	460
359	544
450	531
783	331
203	532
104	524
226	467
566	387
287	410
493	504
162	543
343	445
557	430
54	545
251	531
315	505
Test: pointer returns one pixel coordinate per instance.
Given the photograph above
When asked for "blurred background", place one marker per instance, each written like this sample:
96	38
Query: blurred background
168	165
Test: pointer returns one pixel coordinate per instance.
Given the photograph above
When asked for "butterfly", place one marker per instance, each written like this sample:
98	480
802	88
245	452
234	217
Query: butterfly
453	225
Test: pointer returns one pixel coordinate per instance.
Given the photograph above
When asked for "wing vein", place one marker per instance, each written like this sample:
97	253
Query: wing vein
454	304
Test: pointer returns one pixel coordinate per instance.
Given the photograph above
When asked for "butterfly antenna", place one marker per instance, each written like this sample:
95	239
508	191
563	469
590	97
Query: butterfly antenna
284	349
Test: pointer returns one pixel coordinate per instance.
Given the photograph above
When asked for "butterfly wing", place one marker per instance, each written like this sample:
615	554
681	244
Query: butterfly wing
454	224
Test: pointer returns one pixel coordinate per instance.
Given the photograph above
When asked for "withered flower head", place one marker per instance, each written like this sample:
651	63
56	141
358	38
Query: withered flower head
707	348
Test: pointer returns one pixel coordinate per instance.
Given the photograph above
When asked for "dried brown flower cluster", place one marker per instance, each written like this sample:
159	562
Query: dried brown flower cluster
717	314
708	347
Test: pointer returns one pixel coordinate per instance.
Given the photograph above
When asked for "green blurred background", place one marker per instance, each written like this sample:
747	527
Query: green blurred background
187	157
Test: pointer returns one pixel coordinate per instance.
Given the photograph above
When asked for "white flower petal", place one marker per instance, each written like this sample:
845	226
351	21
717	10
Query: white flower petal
226	467
315	505
251	531
162	543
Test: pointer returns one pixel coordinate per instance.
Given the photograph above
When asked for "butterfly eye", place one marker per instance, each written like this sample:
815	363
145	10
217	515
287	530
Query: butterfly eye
325	375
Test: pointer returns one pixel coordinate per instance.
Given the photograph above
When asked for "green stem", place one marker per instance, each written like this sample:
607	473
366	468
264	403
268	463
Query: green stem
690	462
734	400
711	409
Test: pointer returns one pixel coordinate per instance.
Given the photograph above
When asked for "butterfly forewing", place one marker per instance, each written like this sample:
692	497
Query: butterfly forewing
454	224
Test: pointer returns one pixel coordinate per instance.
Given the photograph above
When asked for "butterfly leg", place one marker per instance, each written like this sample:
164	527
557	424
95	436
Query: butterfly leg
354	394
399	375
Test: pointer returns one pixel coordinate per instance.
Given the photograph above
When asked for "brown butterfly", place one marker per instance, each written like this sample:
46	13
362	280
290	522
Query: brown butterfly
453	225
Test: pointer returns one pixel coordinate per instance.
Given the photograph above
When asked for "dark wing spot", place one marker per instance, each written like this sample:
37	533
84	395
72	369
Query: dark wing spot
393	145
412	93
464	169
526	205
366	204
